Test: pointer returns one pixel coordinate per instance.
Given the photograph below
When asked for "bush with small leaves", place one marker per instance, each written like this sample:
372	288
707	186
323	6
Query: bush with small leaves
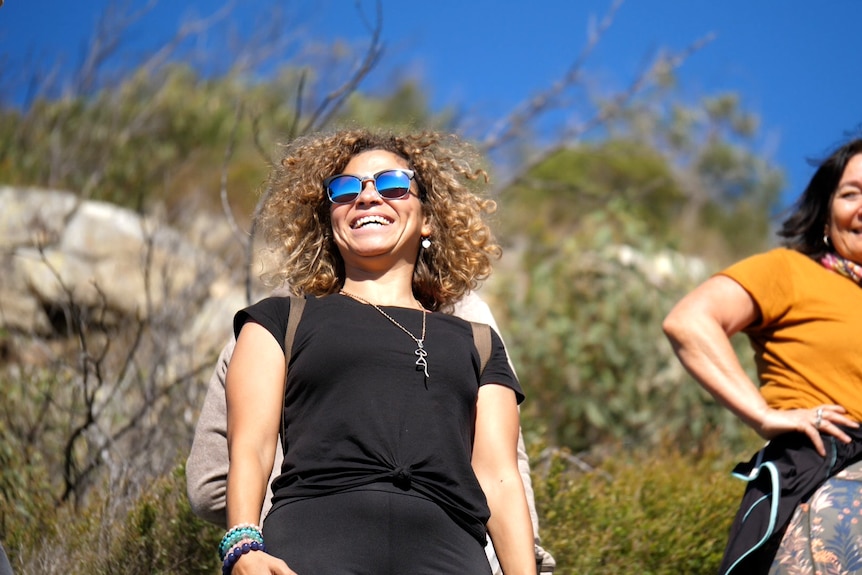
660	512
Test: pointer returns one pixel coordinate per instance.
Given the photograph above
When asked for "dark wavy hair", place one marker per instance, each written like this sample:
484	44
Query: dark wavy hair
296	213
804	229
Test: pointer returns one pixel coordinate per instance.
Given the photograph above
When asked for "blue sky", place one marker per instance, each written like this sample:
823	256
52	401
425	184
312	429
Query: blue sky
796	64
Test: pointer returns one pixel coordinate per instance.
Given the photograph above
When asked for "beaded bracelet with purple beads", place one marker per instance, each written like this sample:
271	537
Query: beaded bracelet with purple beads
237	551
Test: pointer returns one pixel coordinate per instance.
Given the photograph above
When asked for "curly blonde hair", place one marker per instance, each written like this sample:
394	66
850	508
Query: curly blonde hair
295	215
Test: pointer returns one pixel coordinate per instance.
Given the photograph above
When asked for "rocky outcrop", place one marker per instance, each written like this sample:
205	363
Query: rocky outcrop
112	264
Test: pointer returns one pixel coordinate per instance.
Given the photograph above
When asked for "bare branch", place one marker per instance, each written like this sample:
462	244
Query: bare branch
249	246
111	29
187	30
74	322
333	101
662	65
228	155
297	112
512	125
549	453
258	145
320	118
266	43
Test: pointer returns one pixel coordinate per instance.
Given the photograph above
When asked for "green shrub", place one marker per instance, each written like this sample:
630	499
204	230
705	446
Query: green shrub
161	534
657	512
663	512
582	321
153	532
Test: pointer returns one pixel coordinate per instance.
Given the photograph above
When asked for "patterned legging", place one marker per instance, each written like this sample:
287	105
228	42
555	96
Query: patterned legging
825	534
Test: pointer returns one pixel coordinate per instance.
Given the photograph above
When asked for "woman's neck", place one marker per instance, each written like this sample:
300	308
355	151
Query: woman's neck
381	292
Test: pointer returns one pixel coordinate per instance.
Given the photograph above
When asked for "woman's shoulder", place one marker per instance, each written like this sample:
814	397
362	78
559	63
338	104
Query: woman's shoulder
778	254
274	306
283	301
796	263
449	320
271	312
777	260
276	309
793	257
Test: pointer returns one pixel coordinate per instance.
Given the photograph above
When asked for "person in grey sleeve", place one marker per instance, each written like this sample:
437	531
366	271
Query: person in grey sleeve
5	566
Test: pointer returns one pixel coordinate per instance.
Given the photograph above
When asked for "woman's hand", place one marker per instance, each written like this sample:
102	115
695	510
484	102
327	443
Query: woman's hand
699	328
261	563
811	422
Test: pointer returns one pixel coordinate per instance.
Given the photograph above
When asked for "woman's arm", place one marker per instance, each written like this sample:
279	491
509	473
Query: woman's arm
699	328
254	392
496	466
473	308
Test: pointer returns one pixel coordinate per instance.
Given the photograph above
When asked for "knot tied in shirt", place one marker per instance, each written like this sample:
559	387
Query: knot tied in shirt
402	477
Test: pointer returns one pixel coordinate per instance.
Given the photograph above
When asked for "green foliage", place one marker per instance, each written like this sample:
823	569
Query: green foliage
729	191
162	535
119	145
583	327
161	138
28	490
743	213
660	512
604	235
599	177
406	106
64	430
136	532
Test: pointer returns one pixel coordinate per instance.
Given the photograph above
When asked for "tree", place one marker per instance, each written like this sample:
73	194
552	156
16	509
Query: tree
607	235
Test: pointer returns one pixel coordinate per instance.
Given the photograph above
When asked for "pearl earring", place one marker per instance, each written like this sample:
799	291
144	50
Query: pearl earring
426	243
826	239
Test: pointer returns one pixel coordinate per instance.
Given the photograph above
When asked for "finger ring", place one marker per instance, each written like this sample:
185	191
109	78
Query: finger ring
818	417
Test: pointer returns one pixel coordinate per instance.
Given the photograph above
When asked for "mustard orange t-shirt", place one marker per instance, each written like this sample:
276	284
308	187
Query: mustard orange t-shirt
808	341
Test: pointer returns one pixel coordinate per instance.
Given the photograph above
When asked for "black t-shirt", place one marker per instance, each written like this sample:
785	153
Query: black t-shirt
358	412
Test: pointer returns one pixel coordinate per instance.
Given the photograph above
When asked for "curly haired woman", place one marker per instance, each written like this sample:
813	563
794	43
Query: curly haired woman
399	449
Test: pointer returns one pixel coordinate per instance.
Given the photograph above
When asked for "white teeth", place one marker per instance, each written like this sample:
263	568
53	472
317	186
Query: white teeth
370	220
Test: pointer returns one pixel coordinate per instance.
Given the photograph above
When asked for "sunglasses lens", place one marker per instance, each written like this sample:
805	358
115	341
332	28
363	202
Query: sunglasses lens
390	184
343	189
393	184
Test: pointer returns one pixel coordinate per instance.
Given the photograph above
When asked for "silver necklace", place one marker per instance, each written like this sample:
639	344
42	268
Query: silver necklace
421	354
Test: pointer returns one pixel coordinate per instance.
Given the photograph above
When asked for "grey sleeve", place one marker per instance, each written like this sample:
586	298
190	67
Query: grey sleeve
207	464
5	566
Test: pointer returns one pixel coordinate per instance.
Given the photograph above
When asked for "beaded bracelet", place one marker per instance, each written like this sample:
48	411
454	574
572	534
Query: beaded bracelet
233	538
236	534
238	551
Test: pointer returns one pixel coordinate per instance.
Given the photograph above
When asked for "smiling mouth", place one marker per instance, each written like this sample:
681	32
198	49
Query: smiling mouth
367	221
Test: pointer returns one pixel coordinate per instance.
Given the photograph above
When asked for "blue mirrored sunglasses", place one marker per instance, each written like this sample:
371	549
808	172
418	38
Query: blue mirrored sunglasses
390	185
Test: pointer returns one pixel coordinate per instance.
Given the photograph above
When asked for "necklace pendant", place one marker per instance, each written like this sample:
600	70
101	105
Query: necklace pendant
421	354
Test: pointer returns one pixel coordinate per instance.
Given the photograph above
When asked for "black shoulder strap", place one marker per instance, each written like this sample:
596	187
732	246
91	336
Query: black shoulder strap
482	341
297	304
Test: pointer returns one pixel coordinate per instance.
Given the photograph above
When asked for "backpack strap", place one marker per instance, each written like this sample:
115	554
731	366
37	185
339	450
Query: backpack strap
482	341
297	304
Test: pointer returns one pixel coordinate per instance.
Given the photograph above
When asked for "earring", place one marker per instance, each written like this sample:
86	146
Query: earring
426	242
826	239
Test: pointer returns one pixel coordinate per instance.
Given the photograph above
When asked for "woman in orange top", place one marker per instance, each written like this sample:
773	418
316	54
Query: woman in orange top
801	307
